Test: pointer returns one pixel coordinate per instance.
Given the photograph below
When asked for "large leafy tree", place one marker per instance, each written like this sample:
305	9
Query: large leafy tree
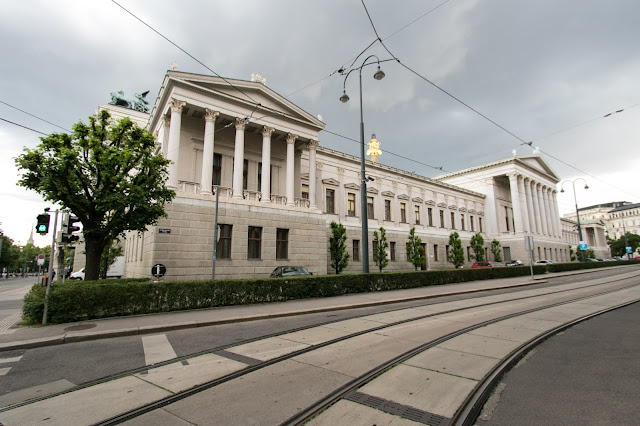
477	247
380	256
104	172
618	246
415	251
338	247
456	252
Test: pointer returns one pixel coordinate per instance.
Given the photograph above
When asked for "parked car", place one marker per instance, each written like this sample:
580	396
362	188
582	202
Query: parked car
544	262
116	270
513	263
289	271
589	259
487	264
609	259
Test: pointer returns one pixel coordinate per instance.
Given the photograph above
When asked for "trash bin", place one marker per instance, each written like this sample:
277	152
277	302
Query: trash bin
45	281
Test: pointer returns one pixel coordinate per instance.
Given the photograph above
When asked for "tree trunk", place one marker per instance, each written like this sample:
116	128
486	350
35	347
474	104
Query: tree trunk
93	250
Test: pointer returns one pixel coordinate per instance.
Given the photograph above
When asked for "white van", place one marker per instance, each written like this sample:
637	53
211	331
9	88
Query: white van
115	271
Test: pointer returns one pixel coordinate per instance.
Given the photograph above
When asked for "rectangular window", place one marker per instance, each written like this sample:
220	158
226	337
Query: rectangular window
387	209
430	216
506	217
282	243
462	222
435	252
392	250
217	169
254	242
223	249
469	253
416	209
245	174
471	221
331	200
480	224
442	219
446	251
453	220
403	212
305	191
259	176
356	250
351	204
375	247
370	208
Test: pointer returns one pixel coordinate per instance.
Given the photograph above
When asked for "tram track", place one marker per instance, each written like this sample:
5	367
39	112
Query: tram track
178	396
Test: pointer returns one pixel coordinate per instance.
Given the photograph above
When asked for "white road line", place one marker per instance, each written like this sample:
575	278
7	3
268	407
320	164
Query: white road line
14	359
157	349
4	371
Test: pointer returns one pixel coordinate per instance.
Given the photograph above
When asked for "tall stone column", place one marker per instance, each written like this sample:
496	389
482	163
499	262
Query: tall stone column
173	153
536	206
550	217
530	209
165	135
266	164
515	202
238	158
543	210
291	140
312	145
523	204
206	182
554	199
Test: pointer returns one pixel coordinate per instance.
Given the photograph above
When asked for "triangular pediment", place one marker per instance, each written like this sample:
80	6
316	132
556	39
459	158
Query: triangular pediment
403	197
352	186
388	194
371	190
537	163
417	200
331	181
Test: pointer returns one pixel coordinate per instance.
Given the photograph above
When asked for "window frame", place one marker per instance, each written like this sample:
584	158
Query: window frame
254	242
224	240
403	212
356	250
416	211
370	207
351	202
331	203
282	244
387	210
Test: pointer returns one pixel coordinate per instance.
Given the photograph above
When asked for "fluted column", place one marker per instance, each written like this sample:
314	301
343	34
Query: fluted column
173	153
266	164
165	135
523	204
556	213
530	209
291	139
206	182
550	217
543	210
515	202
312	145
238	158
536	206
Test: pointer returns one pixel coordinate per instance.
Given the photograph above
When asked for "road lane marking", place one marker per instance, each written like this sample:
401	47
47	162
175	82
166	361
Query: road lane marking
4	371
157	349
14	359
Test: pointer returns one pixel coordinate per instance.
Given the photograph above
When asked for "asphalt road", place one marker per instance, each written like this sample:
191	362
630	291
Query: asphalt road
587	375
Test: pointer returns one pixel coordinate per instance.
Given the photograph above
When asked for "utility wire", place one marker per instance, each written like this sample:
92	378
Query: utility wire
25	127
34	116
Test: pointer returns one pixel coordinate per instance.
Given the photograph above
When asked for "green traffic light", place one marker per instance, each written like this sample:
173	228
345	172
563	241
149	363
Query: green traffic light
42	228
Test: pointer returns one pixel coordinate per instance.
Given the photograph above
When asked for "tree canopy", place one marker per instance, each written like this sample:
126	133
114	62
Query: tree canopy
106	174
380	256
618	246
496	250
477	247
415	251
456	252
338	247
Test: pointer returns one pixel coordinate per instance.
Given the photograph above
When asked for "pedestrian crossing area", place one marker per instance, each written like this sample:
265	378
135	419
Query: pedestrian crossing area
5	364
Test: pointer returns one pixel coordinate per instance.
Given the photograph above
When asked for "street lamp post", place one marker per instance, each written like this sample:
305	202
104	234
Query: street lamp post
573	184
379	75
626	241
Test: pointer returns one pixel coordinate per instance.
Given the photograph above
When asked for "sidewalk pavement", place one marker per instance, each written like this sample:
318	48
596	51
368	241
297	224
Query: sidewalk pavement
38	336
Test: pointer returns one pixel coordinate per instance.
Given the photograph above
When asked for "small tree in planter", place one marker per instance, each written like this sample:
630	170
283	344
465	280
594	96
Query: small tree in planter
456	252
414	249
380	256
496	249
477	247
338	247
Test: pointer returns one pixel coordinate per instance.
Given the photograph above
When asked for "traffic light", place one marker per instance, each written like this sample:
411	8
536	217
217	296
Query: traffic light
42	227
68	228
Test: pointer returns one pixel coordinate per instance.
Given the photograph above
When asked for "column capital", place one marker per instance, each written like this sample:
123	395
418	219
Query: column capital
241	123
267	131
513	175
166	121
312	144
176	105
291	138
210	115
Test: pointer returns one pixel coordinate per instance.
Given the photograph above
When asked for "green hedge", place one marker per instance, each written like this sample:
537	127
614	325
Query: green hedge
78	300
561	267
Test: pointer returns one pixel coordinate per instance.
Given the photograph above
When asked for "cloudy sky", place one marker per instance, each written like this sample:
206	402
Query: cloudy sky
546	71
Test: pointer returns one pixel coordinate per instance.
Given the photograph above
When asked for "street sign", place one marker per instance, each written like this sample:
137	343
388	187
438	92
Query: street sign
158	270
164	230
629	250
582	245
528	243
40	259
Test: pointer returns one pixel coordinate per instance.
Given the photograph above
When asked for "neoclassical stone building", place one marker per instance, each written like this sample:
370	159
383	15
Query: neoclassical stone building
279	189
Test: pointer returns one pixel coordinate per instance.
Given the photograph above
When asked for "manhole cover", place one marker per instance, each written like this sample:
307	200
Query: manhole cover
80	327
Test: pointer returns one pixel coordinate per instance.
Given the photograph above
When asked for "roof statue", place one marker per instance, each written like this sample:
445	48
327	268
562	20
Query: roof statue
137	104
374	148
258	78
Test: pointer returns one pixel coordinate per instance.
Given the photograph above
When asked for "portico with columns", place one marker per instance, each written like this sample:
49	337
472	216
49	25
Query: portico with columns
521	201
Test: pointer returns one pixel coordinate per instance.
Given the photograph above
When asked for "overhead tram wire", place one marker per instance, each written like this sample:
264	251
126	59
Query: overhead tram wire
25	127
35	116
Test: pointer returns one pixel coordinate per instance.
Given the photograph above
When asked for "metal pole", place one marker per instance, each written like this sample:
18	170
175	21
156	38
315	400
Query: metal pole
50	278
579	226
363	192
626	242
215	237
